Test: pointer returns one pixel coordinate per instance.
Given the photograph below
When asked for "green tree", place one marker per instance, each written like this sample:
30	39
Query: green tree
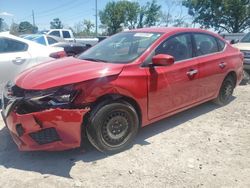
113	16
152	13
1	24
88	26
27	28
132	10
56	24
14	29
141	16
223	15
117	15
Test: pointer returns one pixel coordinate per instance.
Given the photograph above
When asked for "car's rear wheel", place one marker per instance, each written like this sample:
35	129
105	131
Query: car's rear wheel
112	127
226	91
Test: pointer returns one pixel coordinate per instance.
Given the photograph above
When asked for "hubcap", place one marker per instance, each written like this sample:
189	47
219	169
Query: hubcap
228	90
115	128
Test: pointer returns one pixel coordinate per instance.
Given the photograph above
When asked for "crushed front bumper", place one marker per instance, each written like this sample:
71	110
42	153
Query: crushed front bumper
50	130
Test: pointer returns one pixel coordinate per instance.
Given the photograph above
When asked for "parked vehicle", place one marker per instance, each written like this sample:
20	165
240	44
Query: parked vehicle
68	35
232	37
17	54
244	46
126	82
71	48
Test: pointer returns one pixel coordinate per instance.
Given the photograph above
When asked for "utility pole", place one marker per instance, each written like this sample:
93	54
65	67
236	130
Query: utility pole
96	16
33	17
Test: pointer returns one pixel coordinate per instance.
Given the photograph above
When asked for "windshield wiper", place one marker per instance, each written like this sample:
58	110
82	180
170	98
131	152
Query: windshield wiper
95	60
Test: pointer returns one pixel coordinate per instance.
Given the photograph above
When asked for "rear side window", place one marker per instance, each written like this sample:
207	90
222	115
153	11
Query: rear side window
51	40
205	44
55	33
180	47
66	34
10	45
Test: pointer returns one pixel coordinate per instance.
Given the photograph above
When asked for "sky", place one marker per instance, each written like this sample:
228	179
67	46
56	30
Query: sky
69	12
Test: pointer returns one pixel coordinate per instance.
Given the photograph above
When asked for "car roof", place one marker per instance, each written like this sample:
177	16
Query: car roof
45	35
168	30
8	35
34	35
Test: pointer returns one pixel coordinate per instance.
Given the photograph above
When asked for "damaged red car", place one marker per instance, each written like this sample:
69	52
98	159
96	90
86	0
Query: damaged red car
126	82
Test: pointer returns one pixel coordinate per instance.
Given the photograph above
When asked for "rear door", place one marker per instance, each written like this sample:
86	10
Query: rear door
14	57
173	87
212	63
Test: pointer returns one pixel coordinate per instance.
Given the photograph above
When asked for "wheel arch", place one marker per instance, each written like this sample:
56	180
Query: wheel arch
233	75
107	98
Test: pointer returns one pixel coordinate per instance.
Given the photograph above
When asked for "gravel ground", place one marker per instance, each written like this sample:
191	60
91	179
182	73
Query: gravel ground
205	146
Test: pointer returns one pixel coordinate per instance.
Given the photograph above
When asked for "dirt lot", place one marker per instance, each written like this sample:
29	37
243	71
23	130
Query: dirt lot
202	147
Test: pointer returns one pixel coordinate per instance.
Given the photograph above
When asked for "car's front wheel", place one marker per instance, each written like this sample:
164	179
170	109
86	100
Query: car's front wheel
112	127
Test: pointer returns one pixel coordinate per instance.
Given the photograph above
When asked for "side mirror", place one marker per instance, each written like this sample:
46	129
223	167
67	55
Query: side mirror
163	60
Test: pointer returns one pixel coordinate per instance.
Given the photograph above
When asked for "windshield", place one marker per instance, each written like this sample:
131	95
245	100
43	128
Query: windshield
246	38
36	38
121	48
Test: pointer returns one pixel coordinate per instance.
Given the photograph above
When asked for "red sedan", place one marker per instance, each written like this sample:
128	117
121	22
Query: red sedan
126	82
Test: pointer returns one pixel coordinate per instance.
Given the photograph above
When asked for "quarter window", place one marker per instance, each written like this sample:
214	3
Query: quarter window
221	45
9	45
180	47
205	44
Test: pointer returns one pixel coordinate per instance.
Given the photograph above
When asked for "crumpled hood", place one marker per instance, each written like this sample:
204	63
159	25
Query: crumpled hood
64	71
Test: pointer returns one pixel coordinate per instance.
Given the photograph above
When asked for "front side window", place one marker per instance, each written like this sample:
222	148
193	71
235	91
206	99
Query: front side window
180	47
9	45
55	33
205	44
121	48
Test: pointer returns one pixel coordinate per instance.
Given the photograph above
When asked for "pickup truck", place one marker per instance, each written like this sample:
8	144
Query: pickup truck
244	46
68	35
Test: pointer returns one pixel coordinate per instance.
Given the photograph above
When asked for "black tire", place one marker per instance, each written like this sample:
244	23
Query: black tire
112	127
246	78
226	91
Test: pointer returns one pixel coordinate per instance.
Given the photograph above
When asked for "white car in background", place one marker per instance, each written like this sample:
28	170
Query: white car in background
17	54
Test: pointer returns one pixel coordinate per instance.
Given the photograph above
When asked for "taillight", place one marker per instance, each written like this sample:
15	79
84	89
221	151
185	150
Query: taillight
58	55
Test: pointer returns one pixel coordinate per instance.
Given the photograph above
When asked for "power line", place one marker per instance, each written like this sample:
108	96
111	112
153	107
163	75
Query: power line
96	32
59	11
76	15
53	9
33	18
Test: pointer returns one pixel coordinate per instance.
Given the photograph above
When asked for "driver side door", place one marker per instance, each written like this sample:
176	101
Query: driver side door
173	87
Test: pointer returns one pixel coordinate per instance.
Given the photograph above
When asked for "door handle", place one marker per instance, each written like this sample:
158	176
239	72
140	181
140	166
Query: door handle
222	65
18	60
192	72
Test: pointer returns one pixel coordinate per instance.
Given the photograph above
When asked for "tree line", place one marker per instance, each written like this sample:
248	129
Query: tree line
231	16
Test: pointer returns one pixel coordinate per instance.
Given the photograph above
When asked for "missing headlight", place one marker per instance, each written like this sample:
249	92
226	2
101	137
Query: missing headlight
35	101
